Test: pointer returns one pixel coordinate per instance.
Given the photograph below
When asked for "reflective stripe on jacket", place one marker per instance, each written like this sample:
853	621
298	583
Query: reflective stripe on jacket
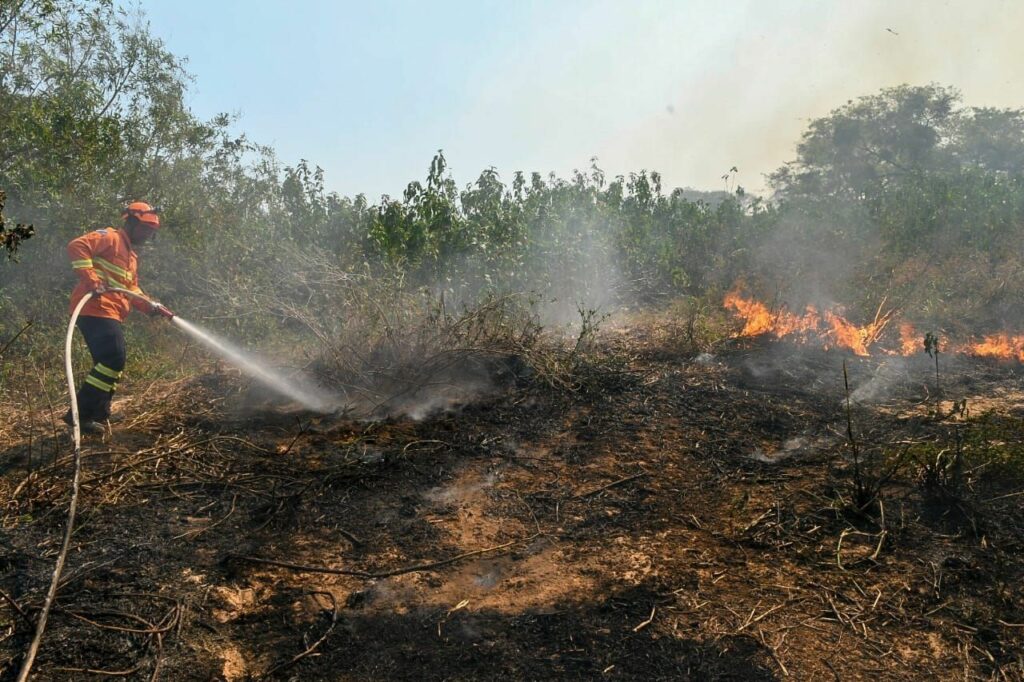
105	256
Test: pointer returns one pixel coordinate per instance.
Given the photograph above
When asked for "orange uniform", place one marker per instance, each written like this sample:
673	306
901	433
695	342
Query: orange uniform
106	257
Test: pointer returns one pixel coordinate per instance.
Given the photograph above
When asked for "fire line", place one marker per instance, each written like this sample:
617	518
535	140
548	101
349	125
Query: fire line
831	329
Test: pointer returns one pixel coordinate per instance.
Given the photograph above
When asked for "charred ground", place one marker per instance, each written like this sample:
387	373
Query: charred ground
663	516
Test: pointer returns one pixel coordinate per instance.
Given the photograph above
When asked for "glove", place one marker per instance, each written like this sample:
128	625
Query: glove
160	309
99	288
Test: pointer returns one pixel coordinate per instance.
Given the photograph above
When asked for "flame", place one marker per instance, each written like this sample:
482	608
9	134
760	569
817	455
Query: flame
910	341
759	319
832	330
845	334
1003	345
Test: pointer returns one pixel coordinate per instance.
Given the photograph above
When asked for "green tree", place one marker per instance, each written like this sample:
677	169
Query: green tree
872	142
990	139
893	192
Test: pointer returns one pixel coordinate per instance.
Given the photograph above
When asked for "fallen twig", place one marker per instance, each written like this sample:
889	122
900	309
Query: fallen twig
14	605
423	442
154	632
351	537
756	521
313	647
650	619
382	574
193	534
752	619
1003	497
595	491
106	673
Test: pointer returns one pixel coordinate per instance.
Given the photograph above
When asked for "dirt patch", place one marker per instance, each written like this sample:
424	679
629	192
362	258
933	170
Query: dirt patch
234	665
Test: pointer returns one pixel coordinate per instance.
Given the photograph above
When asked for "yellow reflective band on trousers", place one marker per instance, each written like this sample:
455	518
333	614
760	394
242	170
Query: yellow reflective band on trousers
102	385
107	372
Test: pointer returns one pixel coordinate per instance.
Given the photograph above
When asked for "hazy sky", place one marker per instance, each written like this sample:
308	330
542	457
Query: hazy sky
370	90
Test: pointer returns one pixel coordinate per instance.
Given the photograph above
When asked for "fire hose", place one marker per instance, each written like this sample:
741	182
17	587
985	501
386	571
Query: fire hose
58	569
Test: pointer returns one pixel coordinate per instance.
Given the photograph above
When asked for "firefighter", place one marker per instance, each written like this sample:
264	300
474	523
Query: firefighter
104	259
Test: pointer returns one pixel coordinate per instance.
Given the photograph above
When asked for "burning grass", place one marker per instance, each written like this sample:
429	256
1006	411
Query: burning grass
831	329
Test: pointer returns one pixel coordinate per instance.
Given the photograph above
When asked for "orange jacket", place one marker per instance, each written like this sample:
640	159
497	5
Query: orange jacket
106	257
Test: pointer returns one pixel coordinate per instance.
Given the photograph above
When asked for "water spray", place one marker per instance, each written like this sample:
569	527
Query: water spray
301	392
307	395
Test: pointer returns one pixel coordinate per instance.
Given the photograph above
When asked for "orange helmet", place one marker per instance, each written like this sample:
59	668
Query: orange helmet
144	212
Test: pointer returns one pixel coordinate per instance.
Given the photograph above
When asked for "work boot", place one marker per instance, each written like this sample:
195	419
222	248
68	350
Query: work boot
92	428
84	425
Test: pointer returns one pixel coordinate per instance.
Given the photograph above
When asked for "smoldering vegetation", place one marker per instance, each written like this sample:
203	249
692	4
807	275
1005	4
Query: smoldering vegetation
385	350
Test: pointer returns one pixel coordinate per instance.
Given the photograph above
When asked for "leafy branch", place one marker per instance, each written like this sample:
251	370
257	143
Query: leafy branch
11	237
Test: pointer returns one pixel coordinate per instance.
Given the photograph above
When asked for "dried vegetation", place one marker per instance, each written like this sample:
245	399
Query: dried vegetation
624	507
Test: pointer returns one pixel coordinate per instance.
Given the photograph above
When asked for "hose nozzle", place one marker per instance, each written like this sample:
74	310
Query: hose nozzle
161	309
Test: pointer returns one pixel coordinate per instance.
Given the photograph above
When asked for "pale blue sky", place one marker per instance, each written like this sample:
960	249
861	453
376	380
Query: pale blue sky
370	90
